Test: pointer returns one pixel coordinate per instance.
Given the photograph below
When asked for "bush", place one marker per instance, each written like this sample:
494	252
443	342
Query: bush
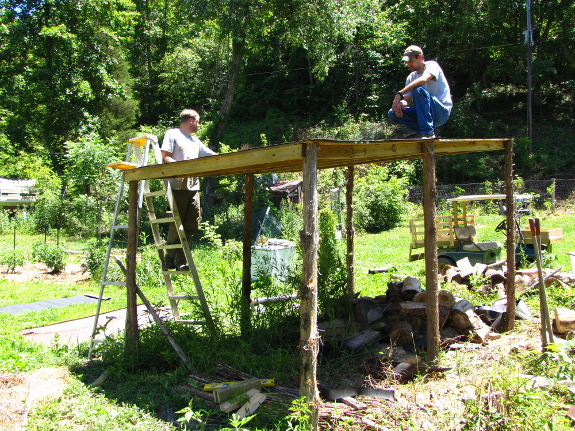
12	259
380	200
96	256
49	254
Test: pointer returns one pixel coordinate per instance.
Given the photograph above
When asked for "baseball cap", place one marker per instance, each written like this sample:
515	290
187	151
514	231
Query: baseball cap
411	51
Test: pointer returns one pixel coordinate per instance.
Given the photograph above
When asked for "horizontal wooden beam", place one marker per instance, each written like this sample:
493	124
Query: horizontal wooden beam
289	157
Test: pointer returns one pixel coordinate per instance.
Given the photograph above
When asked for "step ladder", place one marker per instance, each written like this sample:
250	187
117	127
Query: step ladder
145	195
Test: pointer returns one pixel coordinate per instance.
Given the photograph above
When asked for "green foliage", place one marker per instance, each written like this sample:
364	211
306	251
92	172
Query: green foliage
290	217
12	259
333	297
95	258
380	199
49	254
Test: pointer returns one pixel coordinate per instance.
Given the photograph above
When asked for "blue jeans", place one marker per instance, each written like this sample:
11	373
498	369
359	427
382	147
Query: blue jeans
428	113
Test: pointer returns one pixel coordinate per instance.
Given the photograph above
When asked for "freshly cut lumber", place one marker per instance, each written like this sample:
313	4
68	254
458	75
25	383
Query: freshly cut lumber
236	403
232	391
564	320
252	405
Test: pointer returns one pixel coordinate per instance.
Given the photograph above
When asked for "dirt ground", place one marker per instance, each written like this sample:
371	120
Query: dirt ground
72	273
21	392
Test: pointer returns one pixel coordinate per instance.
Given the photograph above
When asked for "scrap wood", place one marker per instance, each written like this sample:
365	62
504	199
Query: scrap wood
229	373
225	394
564	320
353	403
236	403
252	405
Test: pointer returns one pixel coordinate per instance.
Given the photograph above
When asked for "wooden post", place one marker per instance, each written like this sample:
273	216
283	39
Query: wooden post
350	231
511	234
430	235
245	323
132	335
309	339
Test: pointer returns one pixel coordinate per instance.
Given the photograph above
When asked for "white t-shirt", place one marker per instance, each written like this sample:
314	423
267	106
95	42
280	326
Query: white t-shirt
184	147
437	86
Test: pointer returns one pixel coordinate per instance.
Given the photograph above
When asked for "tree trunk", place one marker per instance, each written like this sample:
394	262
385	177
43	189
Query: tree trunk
510	231
309	338
132	335
350	231
430	213
247	255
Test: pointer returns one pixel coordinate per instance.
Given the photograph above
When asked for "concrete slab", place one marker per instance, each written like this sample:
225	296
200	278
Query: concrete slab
80	330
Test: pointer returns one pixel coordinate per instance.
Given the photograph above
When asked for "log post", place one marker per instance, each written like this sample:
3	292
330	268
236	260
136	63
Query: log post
511	234
132	334
350	231
245	323
309	339
430	235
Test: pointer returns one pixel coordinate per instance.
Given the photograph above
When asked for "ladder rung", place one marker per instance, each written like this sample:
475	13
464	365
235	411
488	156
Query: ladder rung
114	283
174	271
168	246
156	193
189	297
163	220
192	322
120	226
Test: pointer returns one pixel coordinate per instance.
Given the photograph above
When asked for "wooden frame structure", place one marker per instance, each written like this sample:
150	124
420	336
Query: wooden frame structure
308	157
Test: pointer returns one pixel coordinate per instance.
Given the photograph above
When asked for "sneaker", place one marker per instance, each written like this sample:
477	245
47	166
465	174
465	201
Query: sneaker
404	132
183	267
170	264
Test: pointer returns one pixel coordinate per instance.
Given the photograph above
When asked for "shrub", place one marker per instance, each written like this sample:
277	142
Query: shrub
95	257
12	259
380	200
49	254
332	277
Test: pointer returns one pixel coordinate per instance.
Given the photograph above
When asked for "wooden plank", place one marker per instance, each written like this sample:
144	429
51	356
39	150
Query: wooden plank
289	157
225	164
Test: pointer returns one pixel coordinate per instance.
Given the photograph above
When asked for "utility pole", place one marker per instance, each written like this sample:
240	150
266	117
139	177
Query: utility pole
529	42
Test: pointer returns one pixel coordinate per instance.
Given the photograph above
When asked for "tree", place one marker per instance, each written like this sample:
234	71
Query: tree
65	69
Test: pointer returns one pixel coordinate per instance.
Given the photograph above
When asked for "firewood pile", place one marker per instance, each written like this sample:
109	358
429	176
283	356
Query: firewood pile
398	318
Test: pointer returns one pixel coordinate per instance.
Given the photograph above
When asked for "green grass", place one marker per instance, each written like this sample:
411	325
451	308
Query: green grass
145	390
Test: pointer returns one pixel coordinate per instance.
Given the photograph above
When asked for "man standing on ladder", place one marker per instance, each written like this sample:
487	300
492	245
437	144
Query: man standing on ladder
180	144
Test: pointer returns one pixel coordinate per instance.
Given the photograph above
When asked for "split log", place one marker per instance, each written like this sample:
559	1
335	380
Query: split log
420	297
564	320
401	334
359	341
369	311
413	308
445	298
465	321
335	327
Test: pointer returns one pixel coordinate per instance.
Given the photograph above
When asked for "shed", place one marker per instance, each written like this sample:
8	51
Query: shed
308	157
